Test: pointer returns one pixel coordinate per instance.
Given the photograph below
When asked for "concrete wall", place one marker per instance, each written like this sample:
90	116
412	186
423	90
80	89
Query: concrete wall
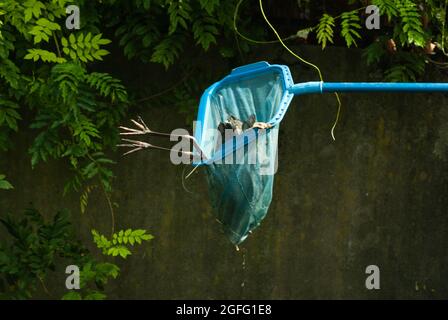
377	195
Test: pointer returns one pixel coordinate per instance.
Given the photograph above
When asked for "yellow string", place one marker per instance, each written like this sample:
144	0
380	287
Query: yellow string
337	116
235	28
294	36
306	62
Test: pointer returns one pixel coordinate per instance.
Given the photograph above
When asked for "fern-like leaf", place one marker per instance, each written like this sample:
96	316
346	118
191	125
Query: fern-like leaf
85	47
350	24
68	77
387	7
118	246
408	68
374	52
44	55
167	50
107	86
411	29
179	12
325	30
209	5
84	199
205	31
4	184
9	113
10	73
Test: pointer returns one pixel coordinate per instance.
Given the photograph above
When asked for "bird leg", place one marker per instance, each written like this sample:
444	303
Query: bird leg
261	125
143	129
140	145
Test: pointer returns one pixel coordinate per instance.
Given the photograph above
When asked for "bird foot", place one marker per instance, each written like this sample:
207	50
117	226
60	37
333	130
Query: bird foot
262	125
142	129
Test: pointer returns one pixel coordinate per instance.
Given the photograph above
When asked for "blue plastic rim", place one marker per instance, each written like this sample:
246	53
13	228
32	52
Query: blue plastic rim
289	90
244	72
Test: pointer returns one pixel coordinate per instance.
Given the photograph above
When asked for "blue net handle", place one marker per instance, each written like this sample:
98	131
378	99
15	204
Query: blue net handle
322	87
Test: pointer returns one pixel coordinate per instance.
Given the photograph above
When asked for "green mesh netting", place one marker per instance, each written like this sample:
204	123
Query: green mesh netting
241	183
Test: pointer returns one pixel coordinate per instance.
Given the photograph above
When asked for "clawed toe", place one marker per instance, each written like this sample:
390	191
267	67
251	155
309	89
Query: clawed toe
262	125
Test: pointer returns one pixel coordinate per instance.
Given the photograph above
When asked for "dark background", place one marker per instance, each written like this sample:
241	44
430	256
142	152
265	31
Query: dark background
376	195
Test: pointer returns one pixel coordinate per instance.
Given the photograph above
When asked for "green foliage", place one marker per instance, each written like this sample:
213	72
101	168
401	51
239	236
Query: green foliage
375	52
387	7
139	34
85	47
9	72
43	30
404	14
74	112
107	86
205	31
325	30
9	114
93	278
35	247
209	5
407	68
84	199
399	49
33	8
4	184
50	76
77	102
97	167
167	50
120	242
410	30
159	30
350	24
38	248
179	12
44	55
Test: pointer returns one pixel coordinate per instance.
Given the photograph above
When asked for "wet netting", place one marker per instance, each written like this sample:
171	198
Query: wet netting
242	160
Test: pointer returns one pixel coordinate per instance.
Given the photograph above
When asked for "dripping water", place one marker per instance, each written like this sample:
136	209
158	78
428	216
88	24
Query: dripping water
242	252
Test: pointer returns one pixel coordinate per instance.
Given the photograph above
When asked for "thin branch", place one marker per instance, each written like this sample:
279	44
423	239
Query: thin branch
109	202
155	95
57	45
45	287
111	208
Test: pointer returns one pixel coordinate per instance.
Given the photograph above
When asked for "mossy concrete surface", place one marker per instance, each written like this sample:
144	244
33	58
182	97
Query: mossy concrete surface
377	195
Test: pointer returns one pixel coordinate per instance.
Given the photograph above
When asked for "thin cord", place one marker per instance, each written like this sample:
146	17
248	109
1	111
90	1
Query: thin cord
285	46
183	180
235	28
306	62
337	116
294	36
